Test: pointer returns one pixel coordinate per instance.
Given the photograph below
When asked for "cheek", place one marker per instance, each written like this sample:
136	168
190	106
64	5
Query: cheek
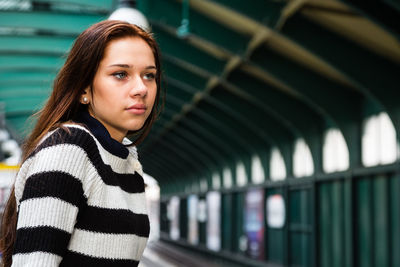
153	96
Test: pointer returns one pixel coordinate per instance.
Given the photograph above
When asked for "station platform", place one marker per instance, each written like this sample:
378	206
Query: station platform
163	254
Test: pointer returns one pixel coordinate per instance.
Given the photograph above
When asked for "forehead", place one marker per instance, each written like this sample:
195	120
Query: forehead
130	50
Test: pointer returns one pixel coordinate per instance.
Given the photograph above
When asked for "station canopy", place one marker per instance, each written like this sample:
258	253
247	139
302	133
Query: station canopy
241	76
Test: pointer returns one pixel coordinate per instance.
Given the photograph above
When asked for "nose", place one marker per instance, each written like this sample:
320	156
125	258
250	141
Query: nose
138	87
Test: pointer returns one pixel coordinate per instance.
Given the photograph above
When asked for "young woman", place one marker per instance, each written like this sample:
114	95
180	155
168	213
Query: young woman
78	199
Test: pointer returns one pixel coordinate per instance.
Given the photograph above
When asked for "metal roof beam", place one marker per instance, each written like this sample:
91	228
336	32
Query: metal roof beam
33	62
35	45
67	23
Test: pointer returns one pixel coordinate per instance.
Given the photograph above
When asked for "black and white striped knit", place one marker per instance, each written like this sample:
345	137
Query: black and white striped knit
81	201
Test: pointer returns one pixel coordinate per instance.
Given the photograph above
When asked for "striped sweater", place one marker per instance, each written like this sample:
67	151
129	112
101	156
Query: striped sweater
81	201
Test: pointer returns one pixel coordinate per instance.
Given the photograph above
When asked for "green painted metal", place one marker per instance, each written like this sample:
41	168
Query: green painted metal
202	118
226	222
325	255
170	45
60	23
300	228
260	117
394	240
376	206
381	221
17	105
237	221
348	239
332	220
337	224
103	5
183	218
24	62
332	225
25	78
195	133
297	77
183	80
200	25
164	223
382	12
12	92
301	115
31	45
358	63
198	154
365	217
264	11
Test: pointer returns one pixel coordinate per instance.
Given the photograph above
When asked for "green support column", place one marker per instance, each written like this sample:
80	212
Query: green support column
237	220
352	134
247	166
394	191
232	167
202	226
183	219
226	221
287	154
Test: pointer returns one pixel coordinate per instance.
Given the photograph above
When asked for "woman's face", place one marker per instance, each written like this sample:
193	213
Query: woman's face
124	86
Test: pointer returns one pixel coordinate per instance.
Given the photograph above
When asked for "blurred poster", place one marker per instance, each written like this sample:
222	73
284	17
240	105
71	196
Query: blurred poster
276	213
214	220
193	229
173	216
254	223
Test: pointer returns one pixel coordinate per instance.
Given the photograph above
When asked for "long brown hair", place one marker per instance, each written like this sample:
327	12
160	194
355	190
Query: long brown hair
63	105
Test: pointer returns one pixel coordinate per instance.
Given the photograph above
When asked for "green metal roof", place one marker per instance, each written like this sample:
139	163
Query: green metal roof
249	75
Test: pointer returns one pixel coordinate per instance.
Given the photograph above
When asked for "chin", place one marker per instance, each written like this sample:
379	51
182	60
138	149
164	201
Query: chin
136	127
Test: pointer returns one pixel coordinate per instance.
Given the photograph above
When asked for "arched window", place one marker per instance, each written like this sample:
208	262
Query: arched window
379	145
227	177
241	176
216	181
195	186
335	152
203	185
277	167
302	159
257	170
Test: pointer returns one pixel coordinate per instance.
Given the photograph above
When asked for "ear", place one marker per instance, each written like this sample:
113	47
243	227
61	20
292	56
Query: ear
85	97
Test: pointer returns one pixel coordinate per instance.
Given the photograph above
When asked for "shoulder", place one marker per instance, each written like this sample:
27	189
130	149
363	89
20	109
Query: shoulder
67	135
61	153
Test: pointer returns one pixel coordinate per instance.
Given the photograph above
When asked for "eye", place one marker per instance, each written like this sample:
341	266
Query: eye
150	76
120	75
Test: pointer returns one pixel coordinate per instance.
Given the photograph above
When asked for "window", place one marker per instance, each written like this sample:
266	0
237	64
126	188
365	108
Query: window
335	152
203	185
302	159
227	177
379	145
277	165
216	181
195	186
241	176
257	170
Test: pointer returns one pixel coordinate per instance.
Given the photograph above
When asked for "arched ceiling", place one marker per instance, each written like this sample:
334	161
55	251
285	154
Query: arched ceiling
245	77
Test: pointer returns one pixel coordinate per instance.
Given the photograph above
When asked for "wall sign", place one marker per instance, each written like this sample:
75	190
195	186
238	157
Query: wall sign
276	213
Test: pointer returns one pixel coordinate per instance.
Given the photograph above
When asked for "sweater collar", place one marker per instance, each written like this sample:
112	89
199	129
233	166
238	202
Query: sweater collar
102	135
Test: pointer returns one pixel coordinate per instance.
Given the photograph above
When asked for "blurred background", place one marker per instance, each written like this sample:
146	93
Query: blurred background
278	142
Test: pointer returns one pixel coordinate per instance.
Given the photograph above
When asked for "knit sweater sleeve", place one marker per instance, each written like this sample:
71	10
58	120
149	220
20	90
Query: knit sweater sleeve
49	189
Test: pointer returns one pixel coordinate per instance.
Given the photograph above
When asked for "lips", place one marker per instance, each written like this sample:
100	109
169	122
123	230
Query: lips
137	109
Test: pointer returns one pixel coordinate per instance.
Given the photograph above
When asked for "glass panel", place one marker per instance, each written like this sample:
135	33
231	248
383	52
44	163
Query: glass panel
277	166
302	160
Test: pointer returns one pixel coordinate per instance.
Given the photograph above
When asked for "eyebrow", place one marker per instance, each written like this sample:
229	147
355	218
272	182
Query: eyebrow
129	66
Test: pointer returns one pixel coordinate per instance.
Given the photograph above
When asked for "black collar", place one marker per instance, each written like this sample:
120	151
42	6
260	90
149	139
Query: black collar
101	133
